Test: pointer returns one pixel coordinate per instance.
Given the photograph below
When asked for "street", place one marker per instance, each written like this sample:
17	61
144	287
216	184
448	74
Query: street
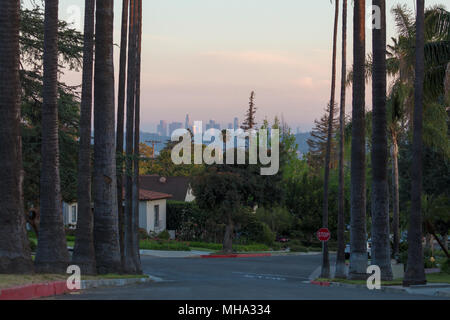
265	278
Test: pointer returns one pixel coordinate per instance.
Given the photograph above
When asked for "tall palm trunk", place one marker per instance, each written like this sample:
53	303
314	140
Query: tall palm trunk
83	253
381	253
340	259
137	260
15	255
120	121
106	233
358	256
395	195
129	250
325	256
415	273
52	255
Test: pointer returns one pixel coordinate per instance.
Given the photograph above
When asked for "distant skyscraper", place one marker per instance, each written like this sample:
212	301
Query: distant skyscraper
187	123
230	126
162	128
212	125
236	123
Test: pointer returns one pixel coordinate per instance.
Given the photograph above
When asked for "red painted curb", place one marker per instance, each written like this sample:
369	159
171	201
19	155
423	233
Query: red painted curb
224	256
321	283
34	291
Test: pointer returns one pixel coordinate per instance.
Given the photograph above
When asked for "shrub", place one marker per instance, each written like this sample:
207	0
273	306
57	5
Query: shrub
298	248
445	267
143	235
163	245
164	235
33	246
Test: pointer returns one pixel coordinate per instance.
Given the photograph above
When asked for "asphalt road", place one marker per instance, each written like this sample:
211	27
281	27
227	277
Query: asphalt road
265	278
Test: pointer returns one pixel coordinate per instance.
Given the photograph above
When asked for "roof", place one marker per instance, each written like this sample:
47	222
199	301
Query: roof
176	186
149	195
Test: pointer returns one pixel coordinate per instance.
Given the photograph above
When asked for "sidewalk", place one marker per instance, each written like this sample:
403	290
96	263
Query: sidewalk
173	254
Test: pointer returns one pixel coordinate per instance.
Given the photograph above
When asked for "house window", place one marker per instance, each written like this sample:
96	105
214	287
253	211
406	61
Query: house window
156	216
74	214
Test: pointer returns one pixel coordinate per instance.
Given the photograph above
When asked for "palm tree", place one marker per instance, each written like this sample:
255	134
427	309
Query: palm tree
51	255
340	259
136	154
120	121
129	250
83	253
15	255
381	255
106	233
325	256
415	273
358	256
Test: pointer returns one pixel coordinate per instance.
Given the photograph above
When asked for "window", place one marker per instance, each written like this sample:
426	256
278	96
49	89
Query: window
74	214
156	216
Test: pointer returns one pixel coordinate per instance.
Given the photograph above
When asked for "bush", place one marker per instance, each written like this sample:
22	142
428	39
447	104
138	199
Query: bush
33	246
206	245
143	235
298	248
164	235
445	267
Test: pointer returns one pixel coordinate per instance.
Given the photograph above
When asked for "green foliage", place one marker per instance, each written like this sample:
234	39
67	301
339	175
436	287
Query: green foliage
164	235
163	245
70	46
280	220
445	267
143	234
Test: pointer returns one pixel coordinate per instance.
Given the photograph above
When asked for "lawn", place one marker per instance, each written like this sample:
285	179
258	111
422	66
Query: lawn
9	281
431	278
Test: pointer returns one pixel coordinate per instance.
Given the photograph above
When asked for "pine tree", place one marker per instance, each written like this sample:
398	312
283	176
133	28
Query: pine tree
250	122
318	142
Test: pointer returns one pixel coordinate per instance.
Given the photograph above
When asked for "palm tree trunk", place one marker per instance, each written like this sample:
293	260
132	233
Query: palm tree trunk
325	255
52	255
340	259
120	122
415	273
15	255
83	253
381	253
358	256
136	256
395	196
129	250
106	233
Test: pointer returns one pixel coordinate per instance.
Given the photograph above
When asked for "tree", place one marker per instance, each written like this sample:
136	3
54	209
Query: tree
136	154
120	121
415	273
106	233
380	195
358	256
250	121
340	258
15	255
52	255
318	142
83	253
325	257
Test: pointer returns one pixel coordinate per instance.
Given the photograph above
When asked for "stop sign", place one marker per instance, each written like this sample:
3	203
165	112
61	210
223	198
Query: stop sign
324	234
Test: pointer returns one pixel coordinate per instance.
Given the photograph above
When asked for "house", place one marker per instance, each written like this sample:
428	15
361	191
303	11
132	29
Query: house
152	211
178	187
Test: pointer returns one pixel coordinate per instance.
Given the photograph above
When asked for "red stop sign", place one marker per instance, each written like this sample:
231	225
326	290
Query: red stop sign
324	234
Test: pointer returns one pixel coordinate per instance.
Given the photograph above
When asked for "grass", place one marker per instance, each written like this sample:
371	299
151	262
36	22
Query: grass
431	278
163	245
12	280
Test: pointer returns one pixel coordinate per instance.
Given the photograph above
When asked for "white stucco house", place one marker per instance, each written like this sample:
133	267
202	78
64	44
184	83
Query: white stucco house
152	211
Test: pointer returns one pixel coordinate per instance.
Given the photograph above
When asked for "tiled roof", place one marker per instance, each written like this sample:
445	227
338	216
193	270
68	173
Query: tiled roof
176	186
148	195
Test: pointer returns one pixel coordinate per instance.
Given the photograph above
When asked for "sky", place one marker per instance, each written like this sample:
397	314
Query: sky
204	57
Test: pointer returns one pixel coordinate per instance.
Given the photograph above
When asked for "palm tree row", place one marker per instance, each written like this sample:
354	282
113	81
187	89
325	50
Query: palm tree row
97	243
381	251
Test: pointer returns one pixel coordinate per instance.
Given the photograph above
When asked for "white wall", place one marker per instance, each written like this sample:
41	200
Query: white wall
190	195
150	213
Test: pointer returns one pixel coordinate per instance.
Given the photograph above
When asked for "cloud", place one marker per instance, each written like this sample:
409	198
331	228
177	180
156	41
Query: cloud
308	82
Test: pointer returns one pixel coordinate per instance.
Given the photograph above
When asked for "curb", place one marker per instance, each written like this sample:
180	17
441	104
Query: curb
387	289
225	256
43	290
